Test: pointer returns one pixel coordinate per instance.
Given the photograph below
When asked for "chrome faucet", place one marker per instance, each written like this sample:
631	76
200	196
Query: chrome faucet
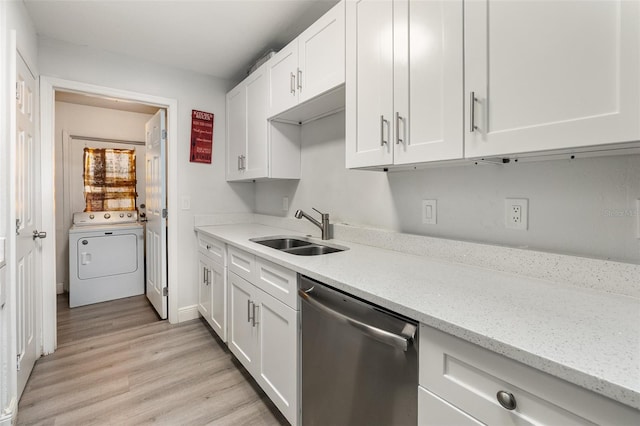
324	226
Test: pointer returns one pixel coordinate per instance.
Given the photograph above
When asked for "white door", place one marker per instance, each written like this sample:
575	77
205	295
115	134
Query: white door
28	248
218	300
277	326
550	74
242	331
321	55
369	83
428	76
255	163
156	229
204	287
283	79
236	132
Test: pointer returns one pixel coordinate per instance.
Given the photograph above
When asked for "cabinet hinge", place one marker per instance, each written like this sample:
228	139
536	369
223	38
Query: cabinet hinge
18	363
17	91
164	133
165	213
165	291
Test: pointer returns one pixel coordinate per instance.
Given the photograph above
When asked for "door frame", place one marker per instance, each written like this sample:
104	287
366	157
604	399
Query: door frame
48	86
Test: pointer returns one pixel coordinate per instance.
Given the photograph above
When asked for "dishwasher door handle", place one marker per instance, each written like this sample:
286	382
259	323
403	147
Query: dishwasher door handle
376	333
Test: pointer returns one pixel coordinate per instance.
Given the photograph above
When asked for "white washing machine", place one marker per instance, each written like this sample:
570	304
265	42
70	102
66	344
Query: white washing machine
106	257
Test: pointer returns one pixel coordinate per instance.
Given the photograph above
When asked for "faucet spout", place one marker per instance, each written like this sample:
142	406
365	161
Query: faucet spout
324	226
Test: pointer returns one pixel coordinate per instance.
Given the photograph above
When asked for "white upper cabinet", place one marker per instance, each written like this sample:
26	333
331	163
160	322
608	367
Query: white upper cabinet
256	148
550	75
310	65
404	78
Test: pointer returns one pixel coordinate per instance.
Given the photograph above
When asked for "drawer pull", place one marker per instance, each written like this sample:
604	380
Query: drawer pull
506	399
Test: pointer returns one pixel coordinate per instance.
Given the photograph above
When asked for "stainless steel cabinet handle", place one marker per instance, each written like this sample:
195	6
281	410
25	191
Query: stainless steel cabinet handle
382	123
398	119
41	235
244	162
376	333
293	84
238	162
204	275
472	112
299	79
208	276
507	400
249	310
253	320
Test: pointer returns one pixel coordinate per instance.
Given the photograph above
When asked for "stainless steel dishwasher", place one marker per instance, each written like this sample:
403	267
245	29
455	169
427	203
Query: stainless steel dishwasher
359	361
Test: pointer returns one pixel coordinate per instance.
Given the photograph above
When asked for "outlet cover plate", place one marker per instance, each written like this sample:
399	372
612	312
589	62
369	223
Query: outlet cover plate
430	212
516	213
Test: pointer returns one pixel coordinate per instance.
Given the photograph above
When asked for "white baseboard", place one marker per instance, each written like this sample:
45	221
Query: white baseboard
188	313
59	288
8	415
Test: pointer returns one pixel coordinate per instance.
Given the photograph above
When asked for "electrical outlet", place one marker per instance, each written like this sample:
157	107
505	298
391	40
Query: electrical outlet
638	218
516	213
429	212
285	204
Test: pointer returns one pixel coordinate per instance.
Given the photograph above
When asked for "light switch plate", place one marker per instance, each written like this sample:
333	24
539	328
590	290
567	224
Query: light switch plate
430	212
186	202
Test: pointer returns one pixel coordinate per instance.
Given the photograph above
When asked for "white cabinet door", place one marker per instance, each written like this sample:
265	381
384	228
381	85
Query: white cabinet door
217	282
321	55
255	165
434	411
369	83
236	131
551	74
283	79
278	353
204	287
428	76
242	333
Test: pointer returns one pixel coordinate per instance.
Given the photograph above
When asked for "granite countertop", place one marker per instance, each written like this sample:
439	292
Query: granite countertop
586	337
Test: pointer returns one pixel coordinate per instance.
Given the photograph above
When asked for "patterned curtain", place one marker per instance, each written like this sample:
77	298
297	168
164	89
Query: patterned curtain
109	179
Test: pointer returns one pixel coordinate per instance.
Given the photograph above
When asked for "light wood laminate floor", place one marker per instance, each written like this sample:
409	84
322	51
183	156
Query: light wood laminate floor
153	373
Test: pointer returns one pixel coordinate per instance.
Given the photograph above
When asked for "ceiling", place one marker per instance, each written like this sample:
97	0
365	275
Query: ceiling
221	38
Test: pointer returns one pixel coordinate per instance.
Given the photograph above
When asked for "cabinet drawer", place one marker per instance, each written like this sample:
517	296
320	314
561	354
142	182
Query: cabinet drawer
281	283
434	411
241	262
469	377
212	248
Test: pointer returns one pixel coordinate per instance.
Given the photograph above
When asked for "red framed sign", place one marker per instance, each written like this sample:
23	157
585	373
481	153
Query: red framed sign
201	137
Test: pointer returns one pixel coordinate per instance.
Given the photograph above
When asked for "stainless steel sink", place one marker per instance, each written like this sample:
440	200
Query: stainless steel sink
284	243
299	246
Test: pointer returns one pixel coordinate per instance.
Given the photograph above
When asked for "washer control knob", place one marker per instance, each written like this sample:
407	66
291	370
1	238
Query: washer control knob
107	215
91	216
129	214
121	214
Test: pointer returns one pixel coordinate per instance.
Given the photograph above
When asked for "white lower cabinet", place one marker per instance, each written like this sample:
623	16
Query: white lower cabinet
463	383
212	286
434	411
212	295
263	335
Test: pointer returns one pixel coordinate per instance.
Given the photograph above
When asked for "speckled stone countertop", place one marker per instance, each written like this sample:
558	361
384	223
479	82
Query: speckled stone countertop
584	336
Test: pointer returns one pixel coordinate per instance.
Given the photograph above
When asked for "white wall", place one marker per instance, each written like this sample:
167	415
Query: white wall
204	184
95	122
584	207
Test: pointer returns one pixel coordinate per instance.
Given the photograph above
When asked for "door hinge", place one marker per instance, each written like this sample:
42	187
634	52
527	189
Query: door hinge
165	213
18	363
165	291
164	133
18	91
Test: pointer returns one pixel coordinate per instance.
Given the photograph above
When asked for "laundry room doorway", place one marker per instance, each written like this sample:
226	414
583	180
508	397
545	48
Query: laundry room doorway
137	112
